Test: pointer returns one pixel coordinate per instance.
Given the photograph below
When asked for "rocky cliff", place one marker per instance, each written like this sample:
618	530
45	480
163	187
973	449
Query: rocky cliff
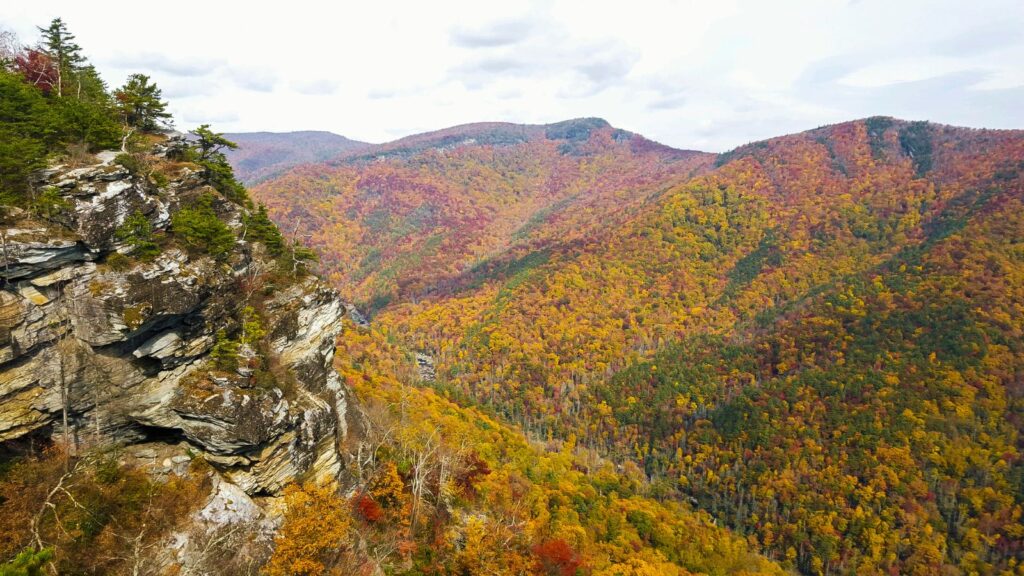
100	347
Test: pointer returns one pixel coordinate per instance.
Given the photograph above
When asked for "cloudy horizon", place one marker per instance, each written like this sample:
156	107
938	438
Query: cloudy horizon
699	75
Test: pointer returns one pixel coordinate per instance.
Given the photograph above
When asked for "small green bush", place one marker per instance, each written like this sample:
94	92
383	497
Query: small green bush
159	179
118	262
137	232
130	162
225	352
200	228
49	204
259	228
29	562
265	380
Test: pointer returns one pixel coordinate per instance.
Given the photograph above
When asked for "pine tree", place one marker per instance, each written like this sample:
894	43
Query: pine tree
209	143
216	169
140	105
59	44
137	232
23	121
259	228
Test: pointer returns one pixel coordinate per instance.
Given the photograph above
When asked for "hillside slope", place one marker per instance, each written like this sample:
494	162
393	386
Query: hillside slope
817	338
447	208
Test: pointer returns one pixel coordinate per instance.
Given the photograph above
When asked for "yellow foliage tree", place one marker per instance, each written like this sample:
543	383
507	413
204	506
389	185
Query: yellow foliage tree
312	538
387	486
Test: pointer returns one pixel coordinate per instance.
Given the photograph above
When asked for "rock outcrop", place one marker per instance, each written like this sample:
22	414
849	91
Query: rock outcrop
96	351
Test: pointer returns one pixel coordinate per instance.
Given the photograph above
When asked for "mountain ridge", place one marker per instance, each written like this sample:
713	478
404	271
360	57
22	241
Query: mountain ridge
477	190
502	133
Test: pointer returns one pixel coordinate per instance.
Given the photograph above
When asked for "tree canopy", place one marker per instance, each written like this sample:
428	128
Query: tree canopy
140	105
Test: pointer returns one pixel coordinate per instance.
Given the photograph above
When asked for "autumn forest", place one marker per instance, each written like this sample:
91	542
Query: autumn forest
815	338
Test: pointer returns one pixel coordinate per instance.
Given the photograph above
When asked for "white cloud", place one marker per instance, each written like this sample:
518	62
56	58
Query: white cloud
693	74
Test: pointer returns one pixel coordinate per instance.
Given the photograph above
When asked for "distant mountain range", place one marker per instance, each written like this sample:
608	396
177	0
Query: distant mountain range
264	154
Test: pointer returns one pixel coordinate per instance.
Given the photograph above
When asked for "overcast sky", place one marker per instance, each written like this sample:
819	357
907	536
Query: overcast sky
708	75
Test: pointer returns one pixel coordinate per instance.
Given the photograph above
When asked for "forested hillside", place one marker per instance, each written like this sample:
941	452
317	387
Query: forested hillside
446	209
817	338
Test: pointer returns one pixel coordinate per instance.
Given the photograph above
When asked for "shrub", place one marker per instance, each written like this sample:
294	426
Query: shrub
367	508
311	538
159	179
556	558
29	562
78	155
386	486
200	229
135	316
49	204
474	468
300	258
104	513
259	228
137	232
225	352
252	327
265	380
118	262
130	162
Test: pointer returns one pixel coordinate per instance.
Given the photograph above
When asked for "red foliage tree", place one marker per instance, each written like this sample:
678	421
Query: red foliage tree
556	558
37	68
367	508
474	468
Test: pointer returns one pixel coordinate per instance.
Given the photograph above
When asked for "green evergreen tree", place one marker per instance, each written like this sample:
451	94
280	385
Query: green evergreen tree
225	352
59	44
216	169
209	143
33	125
137	232
83	108
302	258
259	228
140	105
201	229
25	129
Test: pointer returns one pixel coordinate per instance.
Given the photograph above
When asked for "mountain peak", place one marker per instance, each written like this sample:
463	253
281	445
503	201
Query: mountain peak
574	128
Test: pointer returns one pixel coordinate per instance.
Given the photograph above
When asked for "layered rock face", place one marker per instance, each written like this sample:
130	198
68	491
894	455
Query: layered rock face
95	352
